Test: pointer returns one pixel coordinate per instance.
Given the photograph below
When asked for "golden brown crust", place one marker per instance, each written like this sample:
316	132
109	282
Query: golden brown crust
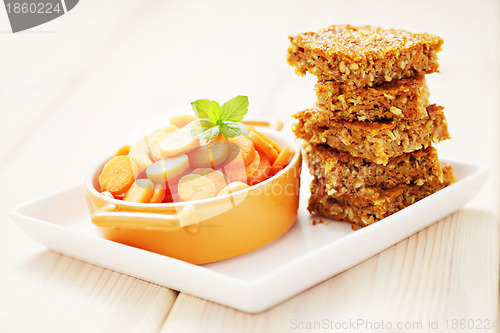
343	174
374	204
374	141
369	135
405	98
365	55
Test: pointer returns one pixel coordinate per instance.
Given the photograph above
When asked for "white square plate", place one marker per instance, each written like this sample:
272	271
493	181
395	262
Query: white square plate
260	279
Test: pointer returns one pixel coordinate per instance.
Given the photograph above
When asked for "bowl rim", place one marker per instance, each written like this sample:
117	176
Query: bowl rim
89	186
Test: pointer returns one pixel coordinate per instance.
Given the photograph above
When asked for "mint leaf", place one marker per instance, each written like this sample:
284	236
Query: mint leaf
204	129
243	129
201	108
214	119
235	109
231	129
204	108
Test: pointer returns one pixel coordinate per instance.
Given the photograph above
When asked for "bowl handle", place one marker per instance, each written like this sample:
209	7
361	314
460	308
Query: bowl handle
146	221
272	123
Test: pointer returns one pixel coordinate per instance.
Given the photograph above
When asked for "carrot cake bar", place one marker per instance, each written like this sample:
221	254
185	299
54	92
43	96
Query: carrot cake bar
373	204
374	141
365	55
405	98
342	173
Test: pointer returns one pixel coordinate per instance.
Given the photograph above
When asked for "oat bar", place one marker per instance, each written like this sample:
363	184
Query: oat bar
374	141
405	98
367	207
365	55
343	174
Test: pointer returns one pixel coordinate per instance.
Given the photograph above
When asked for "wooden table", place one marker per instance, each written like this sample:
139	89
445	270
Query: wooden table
72	89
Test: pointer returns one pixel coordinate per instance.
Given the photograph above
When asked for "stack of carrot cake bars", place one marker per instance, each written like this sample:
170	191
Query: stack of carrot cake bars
368	138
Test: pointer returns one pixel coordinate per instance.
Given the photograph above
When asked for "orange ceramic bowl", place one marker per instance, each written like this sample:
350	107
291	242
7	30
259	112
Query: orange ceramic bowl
208	230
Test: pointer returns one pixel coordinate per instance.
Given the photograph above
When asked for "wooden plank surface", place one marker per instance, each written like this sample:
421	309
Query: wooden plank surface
72	89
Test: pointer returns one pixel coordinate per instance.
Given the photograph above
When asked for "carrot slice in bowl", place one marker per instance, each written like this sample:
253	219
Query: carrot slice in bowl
118	174
252	167
158	193
284	157
216	176
195	187
261	173
182	120
265	147
246	147
233	187
141	191
211	153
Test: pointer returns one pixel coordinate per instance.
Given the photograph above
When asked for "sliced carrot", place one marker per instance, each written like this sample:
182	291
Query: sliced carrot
171	194
267	139
235	174
216	176
118	175
139	152
195	187
177	142
246	146
284	157
158	193
160	132
168	168
182	120
154	148
262	172
141	191
252	167
142	160
265	147
202	171
234	157
211	153
232	187
123	151
234	166
153	140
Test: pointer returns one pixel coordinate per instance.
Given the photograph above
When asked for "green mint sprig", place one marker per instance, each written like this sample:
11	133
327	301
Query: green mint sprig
214	119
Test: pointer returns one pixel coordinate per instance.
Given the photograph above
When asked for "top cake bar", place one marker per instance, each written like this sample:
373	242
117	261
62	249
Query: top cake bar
363	56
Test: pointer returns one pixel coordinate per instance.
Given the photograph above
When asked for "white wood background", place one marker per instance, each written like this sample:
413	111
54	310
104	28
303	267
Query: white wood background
70	91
